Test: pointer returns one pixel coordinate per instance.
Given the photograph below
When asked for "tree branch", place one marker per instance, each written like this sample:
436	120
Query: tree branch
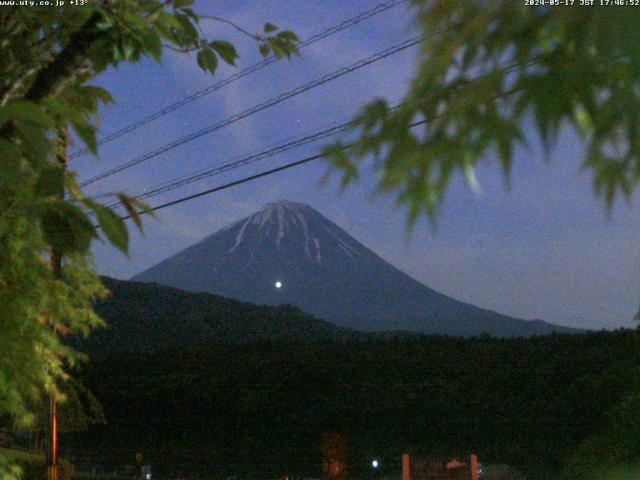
254	36
50	79
179	50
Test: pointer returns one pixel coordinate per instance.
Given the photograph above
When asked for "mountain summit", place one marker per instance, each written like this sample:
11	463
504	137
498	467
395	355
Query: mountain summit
288	253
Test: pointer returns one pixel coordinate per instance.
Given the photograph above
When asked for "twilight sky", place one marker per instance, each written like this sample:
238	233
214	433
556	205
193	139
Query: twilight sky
544	249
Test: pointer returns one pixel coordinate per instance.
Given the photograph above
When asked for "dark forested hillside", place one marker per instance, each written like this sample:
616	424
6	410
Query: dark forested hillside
261	408
148	316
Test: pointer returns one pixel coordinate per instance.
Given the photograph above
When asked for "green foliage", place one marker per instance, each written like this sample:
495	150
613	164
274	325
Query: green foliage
135	208
15	464
65	227
207	59
269	28
488	68
111	224
226	51
30	466
282	44
79	411
47	56
35	309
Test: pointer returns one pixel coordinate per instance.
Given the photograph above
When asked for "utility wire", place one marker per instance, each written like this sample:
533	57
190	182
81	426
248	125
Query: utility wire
247	160
247	179
253	157
350	22
300	139
262	106
303	161
232	184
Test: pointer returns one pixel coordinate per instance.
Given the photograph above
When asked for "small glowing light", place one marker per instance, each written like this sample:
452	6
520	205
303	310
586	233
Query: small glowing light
375	464
148	476
278	284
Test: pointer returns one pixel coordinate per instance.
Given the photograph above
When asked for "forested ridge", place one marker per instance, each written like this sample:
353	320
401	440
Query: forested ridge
148	316
536	403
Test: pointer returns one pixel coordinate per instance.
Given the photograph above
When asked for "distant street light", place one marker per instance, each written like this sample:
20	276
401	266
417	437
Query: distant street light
278	284
375	464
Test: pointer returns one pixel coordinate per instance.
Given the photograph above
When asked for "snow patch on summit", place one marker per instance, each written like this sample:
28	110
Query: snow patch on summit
277	220
240	235
261	218
344	246
282	225
316	242
305	228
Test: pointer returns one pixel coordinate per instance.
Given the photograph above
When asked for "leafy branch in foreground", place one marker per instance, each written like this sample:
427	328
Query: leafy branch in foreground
47	56
572	67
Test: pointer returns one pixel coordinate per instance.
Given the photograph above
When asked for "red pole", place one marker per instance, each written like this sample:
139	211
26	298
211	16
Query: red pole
406	467
56	265
52	454
474	467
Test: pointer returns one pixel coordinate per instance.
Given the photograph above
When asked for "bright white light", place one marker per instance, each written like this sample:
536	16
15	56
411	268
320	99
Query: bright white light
375	464
278	284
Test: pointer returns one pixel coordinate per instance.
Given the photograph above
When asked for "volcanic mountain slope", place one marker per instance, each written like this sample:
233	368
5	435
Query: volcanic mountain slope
288	253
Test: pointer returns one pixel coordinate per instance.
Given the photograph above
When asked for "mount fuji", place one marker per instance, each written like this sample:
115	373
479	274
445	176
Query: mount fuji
288	253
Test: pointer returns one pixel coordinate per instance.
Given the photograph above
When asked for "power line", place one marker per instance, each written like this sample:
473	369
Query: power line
233	184
311	158
274	149
350	22
255	152
262	106
246	179
246	160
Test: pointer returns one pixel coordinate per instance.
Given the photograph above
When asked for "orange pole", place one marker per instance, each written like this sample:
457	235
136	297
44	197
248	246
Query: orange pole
56	265
474	467
54	433
52	453
406	472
